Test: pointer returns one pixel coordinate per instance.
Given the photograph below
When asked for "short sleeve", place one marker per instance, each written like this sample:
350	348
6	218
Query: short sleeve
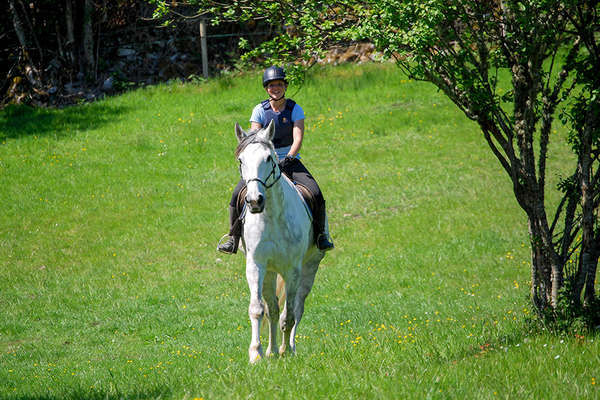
258	114
297	113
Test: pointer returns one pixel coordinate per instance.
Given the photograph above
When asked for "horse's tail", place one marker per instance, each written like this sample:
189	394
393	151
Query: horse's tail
280	292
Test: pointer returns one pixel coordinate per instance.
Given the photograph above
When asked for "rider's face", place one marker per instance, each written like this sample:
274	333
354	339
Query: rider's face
276	89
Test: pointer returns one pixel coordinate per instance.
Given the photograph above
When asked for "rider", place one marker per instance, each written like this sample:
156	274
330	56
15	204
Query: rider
288	118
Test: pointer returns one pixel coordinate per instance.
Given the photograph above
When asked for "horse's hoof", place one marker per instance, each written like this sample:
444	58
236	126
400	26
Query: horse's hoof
256	354
286	351
256	358
271	354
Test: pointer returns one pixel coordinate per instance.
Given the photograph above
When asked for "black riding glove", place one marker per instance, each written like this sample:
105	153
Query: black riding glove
286	163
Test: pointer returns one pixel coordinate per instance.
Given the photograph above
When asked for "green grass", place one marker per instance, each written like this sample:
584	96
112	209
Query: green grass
110	285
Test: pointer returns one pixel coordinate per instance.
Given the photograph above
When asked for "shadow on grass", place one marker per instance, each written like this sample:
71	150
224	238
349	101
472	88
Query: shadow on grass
93	394
17	121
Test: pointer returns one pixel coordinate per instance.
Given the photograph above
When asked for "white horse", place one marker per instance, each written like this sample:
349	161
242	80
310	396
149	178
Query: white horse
278	239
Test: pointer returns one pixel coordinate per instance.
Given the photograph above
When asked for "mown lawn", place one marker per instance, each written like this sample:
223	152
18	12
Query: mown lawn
110	285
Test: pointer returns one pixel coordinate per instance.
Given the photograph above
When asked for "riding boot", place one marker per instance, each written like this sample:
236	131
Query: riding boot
321	229
235	232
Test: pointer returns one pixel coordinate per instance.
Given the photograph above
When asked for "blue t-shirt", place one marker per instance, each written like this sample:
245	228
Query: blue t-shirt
258	115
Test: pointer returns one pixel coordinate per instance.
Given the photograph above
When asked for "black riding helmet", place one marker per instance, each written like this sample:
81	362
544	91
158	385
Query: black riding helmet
273	74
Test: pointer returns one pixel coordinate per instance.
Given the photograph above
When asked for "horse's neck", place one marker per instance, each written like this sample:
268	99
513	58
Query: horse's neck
274	211
275	200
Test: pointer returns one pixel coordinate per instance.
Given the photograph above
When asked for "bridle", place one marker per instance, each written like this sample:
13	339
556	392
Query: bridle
264	183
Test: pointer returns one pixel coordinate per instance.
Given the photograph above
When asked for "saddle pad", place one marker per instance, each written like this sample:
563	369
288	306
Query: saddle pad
308	197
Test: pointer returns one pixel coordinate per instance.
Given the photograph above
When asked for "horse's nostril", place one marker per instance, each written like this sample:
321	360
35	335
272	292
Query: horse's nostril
257	203
259	200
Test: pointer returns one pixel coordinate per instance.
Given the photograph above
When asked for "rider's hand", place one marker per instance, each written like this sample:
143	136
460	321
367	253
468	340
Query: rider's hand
286	163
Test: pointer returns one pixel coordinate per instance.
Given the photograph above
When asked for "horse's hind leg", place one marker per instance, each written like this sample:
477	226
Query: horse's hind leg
269	288
306	283
255	276
286	320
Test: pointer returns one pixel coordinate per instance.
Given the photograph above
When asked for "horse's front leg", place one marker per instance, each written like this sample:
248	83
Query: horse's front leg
269	290
255	275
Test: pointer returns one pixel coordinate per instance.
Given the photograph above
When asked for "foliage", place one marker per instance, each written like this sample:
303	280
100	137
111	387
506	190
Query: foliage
549	50
46	57
49	45
570	316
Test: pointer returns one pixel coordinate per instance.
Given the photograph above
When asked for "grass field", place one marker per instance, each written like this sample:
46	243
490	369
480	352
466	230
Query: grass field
110	285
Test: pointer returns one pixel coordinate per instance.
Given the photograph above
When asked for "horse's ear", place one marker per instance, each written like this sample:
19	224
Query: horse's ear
269	132
239	132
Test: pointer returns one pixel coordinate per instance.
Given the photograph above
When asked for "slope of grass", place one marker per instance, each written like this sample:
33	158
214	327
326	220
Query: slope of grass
110	285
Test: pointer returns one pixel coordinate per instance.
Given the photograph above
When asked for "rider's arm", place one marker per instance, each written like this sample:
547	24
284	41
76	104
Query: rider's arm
298	133
257	118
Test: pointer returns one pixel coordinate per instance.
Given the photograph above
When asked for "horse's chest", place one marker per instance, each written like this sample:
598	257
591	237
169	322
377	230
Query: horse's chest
278	243
292	230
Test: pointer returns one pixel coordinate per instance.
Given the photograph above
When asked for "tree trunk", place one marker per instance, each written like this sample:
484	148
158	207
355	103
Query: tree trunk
18	26
32	32
546	275
31	73
70	45
538	292
88	37
590	260
588	244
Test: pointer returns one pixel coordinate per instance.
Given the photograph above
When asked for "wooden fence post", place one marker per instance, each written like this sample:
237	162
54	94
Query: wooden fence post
203	47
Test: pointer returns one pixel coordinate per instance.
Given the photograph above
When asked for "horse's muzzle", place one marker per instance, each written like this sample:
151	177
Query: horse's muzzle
257	205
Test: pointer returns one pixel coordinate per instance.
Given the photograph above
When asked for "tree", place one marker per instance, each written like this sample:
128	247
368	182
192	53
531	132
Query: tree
67	51
53	51
550	50
19	15
51	36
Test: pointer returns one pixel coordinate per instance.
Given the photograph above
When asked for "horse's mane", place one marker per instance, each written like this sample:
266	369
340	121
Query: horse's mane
251	137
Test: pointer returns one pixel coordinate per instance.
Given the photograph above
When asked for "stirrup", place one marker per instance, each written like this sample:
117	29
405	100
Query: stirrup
222	249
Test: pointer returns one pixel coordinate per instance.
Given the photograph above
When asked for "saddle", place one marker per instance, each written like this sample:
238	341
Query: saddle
303	191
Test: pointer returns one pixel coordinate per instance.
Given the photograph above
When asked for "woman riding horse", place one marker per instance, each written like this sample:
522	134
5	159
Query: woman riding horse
288	118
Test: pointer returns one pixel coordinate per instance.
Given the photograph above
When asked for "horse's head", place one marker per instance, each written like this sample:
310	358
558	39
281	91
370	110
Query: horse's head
258	164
